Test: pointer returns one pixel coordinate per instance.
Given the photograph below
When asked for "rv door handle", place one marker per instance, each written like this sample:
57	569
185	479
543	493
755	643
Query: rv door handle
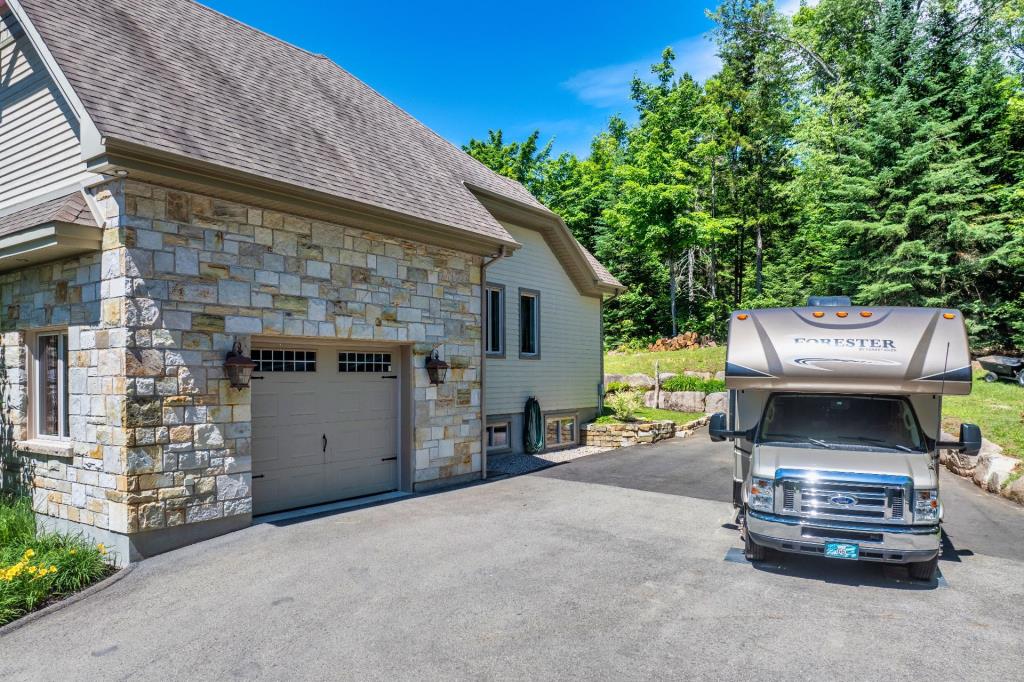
388	459
325	442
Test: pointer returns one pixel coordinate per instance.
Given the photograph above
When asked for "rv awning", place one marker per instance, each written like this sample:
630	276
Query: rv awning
849	350
52	229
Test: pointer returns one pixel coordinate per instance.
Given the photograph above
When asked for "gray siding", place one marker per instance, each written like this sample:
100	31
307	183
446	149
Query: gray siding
567	375
39	134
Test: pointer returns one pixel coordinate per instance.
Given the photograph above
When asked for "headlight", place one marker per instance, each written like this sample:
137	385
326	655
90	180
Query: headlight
926	505
762	494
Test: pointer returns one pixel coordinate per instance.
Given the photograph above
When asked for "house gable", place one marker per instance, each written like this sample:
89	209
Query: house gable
40	131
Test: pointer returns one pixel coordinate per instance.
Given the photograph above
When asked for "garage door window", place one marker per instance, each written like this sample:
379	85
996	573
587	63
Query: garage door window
364	362
274	360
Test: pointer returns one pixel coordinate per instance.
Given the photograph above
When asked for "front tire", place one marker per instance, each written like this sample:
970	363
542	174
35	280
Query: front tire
1020	378
751	550
924	570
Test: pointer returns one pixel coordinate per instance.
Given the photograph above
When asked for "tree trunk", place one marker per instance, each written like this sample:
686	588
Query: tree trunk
672	292
759	262
689	284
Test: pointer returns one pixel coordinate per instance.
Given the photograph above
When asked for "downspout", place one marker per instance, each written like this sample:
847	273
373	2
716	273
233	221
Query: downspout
483	356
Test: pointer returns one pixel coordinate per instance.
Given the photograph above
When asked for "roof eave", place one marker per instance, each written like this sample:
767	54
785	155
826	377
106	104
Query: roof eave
554	228
146	164
47	242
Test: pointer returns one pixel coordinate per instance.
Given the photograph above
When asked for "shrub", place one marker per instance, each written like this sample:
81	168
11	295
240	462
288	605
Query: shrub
625	404
682	382
617	387
37	569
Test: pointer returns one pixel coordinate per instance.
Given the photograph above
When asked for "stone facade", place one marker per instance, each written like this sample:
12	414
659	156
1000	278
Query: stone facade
160	439
626	434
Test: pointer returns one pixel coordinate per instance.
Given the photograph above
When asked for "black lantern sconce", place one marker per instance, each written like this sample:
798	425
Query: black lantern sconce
238	366
437	368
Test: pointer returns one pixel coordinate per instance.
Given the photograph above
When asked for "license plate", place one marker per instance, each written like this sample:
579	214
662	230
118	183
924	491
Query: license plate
842	550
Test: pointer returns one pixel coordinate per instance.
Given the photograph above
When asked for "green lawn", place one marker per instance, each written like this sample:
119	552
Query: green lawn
653	414
697	360
997	408
38	569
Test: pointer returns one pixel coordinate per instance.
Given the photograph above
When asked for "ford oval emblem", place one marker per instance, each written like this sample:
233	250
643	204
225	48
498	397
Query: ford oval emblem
842	500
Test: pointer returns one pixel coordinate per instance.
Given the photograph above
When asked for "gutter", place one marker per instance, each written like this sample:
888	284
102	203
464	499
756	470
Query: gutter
502	253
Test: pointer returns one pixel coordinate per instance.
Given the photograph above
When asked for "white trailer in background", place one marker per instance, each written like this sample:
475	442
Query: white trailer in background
835	414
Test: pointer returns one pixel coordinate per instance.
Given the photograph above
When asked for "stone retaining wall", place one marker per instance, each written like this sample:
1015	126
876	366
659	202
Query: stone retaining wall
626	434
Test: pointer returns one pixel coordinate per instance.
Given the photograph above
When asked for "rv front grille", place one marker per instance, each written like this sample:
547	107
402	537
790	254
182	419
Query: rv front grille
836	499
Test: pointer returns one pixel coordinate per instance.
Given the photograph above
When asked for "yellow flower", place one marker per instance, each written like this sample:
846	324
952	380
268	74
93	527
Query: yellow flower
31	569
53	569
74	551
29	553
101	548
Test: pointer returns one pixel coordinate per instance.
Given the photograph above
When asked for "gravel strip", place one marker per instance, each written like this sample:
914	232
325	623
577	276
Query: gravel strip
513	465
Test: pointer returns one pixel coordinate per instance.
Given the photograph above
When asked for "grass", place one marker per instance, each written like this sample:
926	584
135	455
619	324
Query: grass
696	360
36	570
651	414
998	408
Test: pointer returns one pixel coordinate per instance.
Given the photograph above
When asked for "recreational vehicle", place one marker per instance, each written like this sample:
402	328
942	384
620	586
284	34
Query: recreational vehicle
835	414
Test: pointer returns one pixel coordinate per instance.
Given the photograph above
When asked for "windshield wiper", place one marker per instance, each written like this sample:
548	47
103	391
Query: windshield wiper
813	441
904	448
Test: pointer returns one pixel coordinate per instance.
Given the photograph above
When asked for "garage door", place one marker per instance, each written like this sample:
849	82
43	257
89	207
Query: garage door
325	426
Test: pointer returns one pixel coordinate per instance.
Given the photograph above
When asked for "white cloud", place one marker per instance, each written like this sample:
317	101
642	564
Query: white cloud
608	86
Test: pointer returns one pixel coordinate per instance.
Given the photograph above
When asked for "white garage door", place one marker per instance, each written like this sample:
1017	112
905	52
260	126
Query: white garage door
325	426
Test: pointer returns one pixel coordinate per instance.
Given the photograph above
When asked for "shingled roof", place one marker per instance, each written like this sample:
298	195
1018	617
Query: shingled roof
180	78
70	209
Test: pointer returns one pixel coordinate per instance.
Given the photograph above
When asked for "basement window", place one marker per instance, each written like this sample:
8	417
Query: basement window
50	380
560	431
498	437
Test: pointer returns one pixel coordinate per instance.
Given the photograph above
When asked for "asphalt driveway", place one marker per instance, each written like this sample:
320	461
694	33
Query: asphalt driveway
610	567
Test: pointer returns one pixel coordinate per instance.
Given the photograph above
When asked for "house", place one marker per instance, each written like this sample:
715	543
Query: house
176	186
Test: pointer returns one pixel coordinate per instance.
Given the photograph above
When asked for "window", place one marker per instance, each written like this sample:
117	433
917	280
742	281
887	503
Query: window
560	431
496	320
867	423
51	385
498	437
364	362
529	323
272	360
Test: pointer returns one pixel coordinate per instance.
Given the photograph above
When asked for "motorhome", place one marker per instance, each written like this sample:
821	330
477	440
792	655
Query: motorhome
835	415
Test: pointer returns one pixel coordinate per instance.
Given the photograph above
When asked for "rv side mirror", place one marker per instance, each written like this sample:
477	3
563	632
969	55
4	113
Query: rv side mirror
970	439
718	428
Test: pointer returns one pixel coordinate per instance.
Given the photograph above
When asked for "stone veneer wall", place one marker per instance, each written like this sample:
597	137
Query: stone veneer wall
183	276
84	481
626	434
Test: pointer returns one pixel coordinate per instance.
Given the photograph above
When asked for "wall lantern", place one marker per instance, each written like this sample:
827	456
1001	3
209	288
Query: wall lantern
239	367
437	368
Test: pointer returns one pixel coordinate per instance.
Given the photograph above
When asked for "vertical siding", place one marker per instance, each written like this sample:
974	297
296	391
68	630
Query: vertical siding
39	134
567	375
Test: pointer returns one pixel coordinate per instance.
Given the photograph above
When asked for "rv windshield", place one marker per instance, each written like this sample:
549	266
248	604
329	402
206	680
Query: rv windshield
840	421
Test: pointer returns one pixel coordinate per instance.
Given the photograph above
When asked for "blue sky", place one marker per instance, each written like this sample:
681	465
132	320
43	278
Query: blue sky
465	67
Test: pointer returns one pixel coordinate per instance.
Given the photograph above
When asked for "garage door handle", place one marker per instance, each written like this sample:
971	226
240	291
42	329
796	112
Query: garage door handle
255	476
325	442
388	459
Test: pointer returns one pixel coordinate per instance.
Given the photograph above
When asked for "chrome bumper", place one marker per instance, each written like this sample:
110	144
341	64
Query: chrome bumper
877	542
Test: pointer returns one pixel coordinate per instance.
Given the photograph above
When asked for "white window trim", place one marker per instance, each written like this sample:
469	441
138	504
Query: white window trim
508	443
559	416
36	382
500	289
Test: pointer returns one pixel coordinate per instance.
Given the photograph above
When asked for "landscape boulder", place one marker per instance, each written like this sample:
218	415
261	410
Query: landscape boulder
716	402
639	380
993	468
679	401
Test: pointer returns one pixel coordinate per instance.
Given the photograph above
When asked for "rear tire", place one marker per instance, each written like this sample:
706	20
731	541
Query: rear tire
751	550
1020	378
924	570
991	378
